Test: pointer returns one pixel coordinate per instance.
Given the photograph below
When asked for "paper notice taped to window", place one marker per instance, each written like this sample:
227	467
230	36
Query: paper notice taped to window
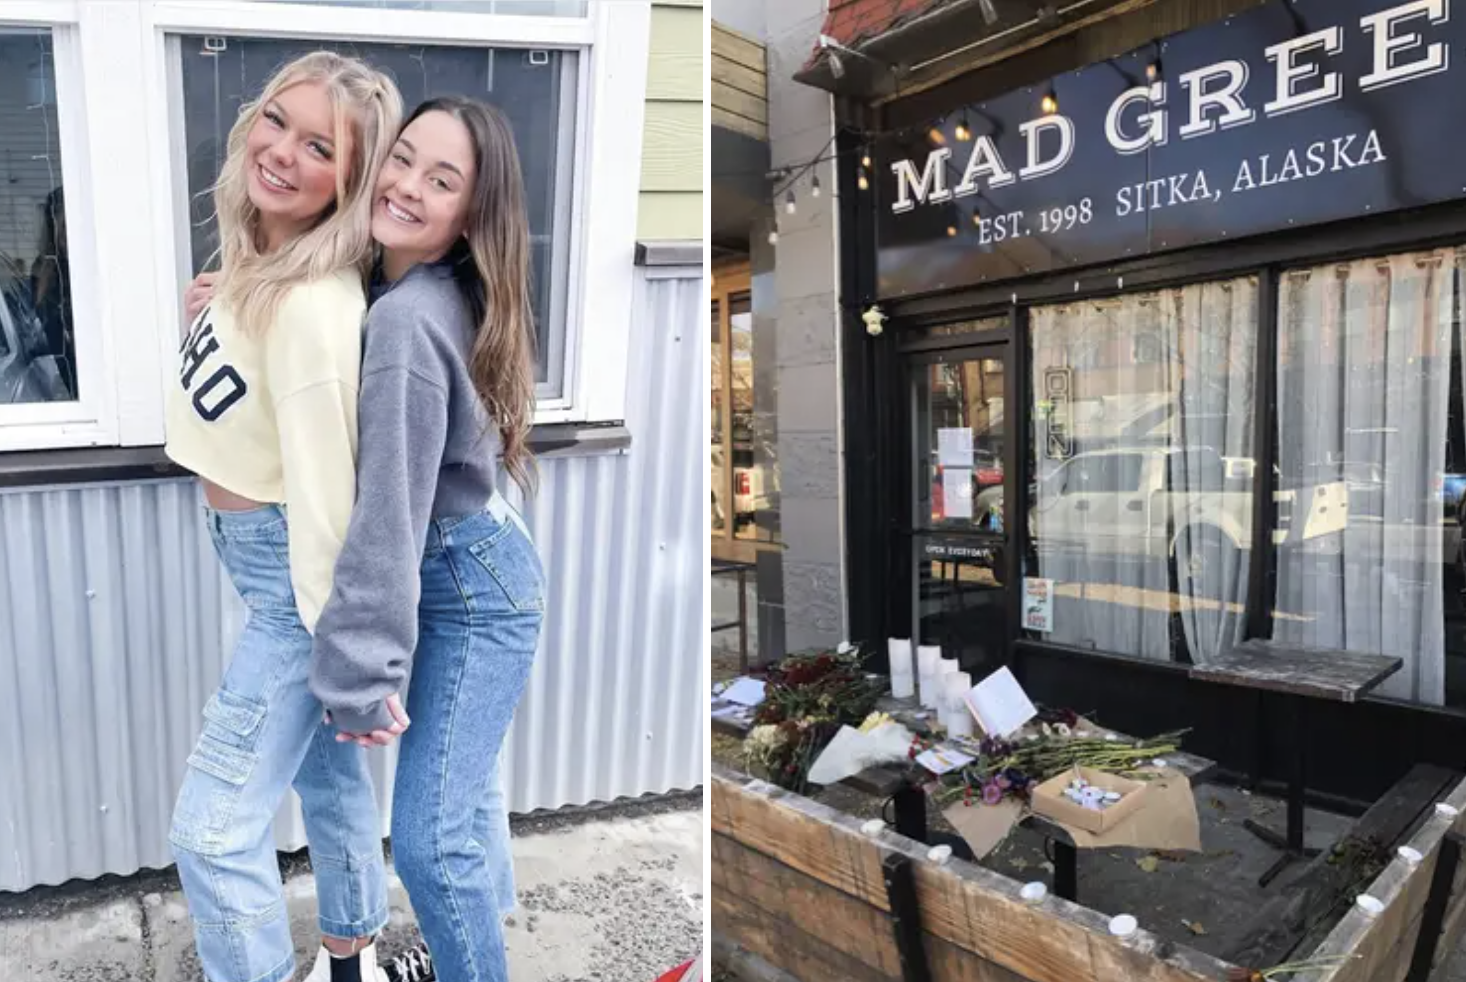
957	493
954	447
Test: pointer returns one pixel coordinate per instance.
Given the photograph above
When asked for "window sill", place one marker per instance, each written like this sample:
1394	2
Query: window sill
33	468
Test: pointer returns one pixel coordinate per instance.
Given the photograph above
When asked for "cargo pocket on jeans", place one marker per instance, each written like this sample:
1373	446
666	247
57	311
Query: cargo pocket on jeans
219	767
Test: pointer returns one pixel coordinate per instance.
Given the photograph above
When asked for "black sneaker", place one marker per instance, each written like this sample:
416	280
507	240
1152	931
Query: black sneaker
413	965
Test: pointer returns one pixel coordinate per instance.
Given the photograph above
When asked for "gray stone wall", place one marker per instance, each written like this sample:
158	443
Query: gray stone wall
806	365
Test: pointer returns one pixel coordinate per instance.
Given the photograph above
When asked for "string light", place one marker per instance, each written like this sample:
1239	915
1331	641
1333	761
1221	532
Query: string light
789	202
936	135
814	187
964	132
951	231
1153	71
1050	103
863	181
773	236
865	160
976	218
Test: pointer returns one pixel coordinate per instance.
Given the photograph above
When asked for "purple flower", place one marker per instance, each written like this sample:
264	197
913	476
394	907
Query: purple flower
991	793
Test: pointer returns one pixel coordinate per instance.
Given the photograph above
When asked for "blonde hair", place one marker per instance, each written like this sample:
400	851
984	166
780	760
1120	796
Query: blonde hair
364	104
492	266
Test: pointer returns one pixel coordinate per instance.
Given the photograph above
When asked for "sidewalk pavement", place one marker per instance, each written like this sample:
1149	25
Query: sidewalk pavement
608	899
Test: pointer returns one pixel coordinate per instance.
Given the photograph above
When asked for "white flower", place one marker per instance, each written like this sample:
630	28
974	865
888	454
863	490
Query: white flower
844	648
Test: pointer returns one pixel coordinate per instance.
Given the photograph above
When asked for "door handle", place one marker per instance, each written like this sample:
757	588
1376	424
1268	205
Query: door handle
1081	506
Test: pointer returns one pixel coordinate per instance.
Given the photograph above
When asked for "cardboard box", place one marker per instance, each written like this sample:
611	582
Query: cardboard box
1049	800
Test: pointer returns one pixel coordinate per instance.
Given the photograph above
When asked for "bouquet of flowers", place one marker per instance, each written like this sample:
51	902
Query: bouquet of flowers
807	698
1005	768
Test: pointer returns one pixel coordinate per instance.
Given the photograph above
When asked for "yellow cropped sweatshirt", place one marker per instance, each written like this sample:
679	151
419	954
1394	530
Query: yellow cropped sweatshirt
273	418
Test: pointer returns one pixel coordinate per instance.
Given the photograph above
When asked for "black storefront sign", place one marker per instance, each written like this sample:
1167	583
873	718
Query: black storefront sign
1292	114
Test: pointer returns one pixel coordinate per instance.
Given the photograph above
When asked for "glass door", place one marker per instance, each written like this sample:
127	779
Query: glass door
959	441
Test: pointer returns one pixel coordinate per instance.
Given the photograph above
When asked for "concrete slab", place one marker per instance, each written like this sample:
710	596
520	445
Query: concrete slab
611	897
86	944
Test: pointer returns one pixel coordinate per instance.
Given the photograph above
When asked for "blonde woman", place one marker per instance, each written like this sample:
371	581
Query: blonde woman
264	411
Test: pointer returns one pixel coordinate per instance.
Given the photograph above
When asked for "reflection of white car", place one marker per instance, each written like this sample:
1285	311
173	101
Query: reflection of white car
1166	503
1150	500
26	375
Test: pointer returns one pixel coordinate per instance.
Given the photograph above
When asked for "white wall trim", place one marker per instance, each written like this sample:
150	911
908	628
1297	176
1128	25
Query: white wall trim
38	12
328	22
611	176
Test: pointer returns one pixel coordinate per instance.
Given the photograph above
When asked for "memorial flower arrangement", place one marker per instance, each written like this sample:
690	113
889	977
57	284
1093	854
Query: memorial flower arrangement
1012	768
807	698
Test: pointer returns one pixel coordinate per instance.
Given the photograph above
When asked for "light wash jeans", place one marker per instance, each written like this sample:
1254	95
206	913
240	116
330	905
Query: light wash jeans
262	731
479	624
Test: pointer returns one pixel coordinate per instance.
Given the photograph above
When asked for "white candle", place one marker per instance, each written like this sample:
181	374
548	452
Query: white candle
928	658
958	720
898	651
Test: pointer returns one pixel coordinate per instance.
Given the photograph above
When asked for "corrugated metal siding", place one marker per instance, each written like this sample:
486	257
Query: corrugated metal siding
116	623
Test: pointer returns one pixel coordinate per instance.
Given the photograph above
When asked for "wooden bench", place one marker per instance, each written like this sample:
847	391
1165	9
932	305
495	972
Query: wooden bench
1284	923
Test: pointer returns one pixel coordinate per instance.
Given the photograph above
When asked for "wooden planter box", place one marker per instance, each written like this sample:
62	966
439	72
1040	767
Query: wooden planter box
798	884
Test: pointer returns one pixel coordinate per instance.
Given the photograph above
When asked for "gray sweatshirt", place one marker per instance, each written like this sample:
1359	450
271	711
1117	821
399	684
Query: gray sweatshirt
425	452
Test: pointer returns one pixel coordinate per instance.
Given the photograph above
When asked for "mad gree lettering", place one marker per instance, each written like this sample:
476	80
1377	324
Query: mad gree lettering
218	386
1140	118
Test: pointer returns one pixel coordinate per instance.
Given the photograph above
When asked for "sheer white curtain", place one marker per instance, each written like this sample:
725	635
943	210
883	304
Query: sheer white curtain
1141	527
1363	389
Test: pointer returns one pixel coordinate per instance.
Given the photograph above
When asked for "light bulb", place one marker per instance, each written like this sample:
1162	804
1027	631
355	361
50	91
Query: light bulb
963	133
865	160
863	182
814	187
1050	103
951	231
789	202
774	237
936	136
1152	70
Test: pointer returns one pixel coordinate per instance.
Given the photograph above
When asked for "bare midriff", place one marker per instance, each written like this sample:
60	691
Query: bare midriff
222	499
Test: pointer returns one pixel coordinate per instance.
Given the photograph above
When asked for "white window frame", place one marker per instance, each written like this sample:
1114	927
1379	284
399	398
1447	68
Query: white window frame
92	420
122	190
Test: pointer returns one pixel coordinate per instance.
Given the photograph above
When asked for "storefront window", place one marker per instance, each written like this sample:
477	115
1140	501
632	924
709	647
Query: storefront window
748	489
719	447
741	481
1371	446
535	88
1143	465
37	342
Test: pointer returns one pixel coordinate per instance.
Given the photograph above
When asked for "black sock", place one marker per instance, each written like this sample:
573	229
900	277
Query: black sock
346	969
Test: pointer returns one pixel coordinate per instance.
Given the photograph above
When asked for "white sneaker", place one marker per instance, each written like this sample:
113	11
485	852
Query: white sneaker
412	965
370	971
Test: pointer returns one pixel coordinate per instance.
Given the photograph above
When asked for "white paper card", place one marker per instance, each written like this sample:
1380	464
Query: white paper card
745	692
954	446
940	760
1000	704
957	493
1038	604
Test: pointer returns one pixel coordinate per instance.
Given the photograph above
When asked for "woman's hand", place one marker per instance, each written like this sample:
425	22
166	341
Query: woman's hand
198	295
380	738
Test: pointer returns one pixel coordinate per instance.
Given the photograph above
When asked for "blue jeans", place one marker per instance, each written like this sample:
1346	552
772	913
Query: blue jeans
262	731
479	624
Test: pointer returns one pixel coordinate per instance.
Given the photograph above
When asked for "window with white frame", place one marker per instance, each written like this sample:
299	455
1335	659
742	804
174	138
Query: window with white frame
136	98
535	87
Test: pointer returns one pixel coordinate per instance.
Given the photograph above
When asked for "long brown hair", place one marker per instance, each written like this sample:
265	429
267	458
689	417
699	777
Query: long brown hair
365	103
492	269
